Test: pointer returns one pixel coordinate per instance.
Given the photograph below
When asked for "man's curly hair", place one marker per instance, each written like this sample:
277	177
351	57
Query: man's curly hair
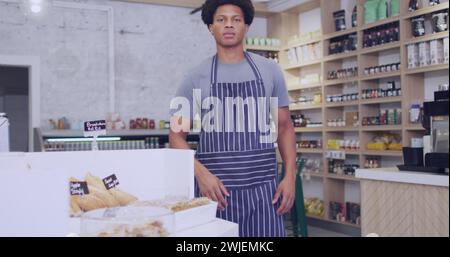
210	7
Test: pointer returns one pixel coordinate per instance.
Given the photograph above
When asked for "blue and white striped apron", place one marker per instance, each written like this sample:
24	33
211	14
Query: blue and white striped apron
246	166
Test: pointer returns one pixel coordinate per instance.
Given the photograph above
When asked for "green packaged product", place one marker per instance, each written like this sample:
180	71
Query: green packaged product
382	9
395	8
370	11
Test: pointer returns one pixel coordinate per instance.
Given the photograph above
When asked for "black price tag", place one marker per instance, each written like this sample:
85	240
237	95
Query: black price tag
111	181
97	125
78	188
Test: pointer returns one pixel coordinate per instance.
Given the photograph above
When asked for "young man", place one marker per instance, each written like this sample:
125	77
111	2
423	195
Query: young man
235	163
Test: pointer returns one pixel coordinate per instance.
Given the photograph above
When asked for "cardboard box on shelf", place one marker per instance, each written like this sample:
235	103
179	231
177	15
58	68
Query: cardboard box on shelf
351	119
424	54
436	52
413	56
445	46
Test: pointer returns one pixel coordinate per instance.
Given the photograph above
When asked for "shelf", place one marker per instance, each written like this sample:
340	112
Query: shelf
383	153
415	127
427	10
309	150
381	76
316	217
426	38
342	177
340	81
316	129
263	48
392	99
305	107
335	57
345	223
381	128
307	86
347	152
343	129
340	33
303	43
115	133
380	22
342	104
380	48
429	68
312	174
305	64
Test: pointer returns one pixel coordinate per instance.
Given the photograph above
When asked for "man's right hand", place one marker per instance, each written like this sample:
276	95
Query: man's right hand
211	187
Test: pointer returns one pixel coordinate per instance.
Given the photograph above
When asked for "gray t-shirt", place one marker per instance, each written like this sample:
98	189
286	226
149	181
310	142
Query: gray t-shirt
200	78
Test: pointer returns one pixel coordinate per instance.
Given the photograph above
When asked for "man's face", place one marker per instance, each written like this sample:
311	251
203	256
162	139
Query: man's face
228	26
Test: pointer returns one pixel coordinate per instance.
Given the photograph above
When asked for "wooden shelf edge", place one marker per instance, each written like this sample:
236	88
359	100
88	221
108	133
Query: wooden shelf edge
427	10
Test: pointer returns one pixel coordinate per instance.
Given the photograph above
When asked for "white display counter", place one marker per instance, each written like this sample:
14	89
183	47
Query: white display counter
35	195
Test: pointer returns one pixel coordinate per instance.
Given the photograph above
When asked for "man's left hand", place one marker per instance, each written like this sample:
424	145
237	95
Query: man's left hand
286	189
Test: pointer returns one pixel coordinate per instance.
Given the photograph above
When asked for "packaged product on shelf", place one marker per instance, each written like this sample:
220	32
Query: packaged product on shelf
383	9
385	141
446	54
310	79
370	11
337	211
353	213
413	56
434	2
314	206
439	21
418	26
436	52
424	54
372	163
339	20
292	56
355	17
413	5
395	8
351	119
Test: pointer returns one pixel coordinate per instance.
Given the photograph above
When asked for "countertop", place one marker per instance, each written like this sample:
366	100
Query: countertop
394	175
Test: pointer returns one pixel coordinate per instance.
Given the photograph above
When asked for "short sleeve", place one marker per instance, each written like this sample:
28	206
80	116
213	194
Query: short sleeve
280	89
181	103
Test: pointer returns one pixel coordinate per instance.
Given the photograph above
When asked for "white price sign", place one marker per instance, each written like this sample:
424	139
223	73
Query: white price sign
95	128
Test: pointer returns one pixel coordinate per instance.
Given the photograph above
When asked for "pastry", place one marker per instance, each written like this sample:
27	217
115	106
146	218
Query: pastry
196	202
122	197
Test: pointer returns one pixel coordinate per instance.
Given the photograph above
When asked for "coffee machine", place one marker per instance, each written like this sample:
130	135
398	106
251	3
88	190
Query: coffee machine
4	133
435	151
436	115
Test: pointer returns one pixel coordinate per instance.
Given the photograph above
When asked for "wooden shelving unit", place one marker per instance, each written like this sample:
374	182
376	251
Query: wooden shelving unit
286	25
309	150
381	76
303	87
305	130
393	99
262	48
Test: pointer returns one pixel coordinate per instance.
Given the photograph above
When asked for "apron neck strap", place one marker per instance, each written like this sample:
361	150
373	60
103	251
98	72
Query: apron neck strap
214	67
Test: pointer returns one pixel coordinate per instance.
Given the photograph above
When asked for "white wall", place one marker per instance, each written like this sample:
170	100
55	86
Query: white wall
258	27
155	46
432	81
312	188
310	21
